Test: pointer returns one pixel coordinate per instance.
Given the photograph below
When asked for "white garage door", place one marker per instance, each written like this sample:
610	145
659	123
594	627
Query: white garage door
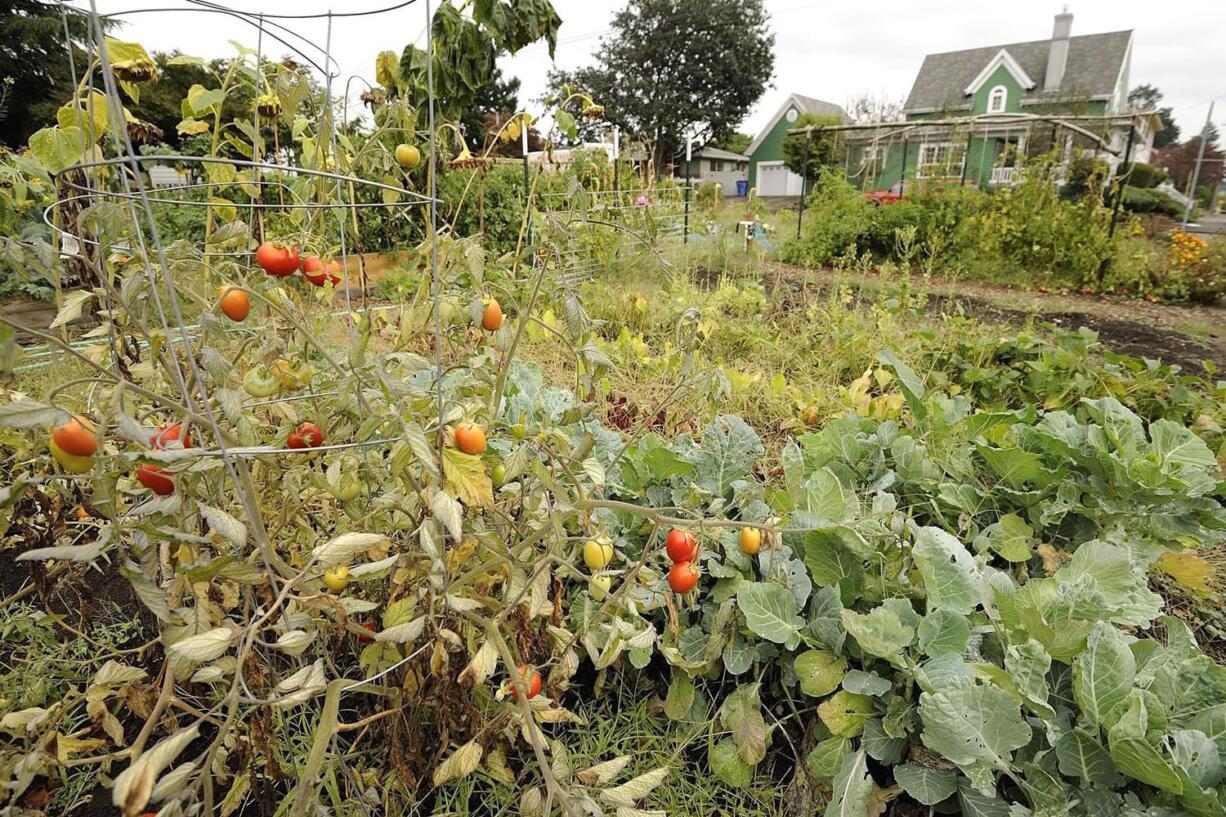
772	179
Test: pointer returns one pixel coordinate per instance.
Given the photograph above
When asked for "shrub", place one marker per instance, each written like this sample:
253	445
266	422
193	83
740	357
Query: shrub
1143	200
836	217
1144	176
1030	229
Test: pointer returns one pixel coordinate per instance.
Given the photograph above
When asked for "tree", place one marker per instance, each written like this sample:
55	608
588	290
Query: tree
1147	98
34	57
736	142
466	49
672	69
806	154
867	109
1180	162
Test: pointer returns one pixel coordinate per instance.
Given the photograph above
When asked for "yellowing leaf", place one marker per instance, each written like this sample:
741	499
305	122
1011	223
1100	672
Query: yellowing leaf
465	477
461	763
1188	570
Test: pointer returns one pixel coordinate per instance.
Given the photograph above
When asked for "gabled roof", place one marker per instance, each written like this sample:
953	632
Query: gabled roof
1091	72
719	153
804	104
1003	57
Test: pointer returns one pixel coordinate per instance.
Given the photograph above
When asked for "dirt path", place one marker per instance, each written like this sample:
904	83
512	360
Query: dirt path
1177	334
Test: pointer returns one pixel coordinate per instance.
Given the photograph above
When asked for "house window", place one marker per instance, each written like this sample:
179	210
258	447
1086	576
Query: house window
717	166
936	159
997	98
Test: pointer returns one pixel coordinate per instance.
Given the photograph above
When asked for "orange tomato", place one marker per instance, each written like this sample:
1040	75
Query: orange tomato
530	679
470	438
76	436
491	318
234	303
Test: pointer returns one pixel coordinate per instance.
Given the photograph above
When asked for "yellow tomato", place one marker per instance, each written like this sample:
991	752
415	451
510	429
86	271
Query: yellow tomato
337	579
597	555
751	541
407	156
598	587
71	463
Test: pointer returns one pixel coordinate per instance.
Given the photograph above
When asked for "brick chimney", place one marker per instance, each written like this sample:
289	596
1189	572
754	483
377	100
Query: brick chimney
1057	54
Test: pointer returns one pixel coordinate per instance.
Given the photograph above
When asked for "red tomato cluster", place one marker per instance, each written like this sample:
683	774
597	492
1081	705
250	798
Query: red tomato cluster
276	259
682	549
315	270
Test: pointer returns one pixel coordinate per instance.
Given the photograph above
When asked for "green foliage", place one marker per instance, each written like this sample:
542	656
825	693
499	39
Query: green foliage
1029	233
698	77
1143	176
808	155
1142	200
466	47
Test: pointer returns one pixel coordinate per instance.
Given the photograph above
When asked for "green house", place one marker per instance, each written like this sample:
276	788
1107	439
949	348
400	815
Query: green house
767	172
998	95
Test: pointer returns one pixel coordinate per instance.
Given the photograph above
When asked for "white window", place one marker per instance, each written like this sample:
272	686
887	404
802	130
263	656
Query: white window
936	159
717	166
997	98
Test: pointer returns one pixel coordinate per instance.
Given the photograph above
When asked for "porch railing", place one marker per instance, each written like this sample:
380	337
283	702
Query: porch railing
1006	175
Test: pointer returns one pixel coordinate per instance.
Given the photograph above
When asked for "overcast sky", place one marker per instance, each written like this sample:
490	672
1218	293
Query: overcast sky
829	50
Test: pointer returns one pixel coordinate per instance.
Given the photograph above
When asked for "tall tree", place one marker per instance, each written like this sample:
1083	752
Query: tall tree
1148	98
1180	162
735	142
672	69
867	109
806	155
34	56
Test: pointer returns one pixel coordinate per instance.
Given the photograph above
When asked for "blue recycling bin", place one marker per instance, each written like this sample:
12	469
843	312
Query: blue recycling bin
742	187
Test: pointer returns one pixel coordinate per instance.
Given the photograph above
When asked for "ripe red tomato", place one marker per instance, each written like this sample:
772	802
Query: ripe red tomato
318	273
530	678
369	626
681	546
276	259
470	438
307	435
235	304
156	479
167	433
683	577
76	436
491	318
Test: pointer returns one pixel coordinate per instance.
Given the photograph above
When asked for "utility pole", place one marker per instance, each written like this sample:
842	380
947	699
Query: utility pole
689	144
617	155
1200	157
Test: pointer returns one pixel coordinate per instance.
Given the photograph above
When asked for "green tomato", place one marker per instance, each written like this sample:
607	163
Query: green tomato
345	490
498	474
518	431
261	382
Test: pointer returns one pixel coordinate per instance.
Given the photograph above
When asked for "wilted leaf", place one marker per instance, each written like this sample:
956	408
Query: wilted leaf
603	773
1188	570
636	789
463	762
205	646
343	548
465	476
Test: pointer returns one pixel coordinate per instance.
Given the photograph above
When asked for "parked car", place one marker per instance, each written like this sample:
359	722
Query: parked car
888	196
